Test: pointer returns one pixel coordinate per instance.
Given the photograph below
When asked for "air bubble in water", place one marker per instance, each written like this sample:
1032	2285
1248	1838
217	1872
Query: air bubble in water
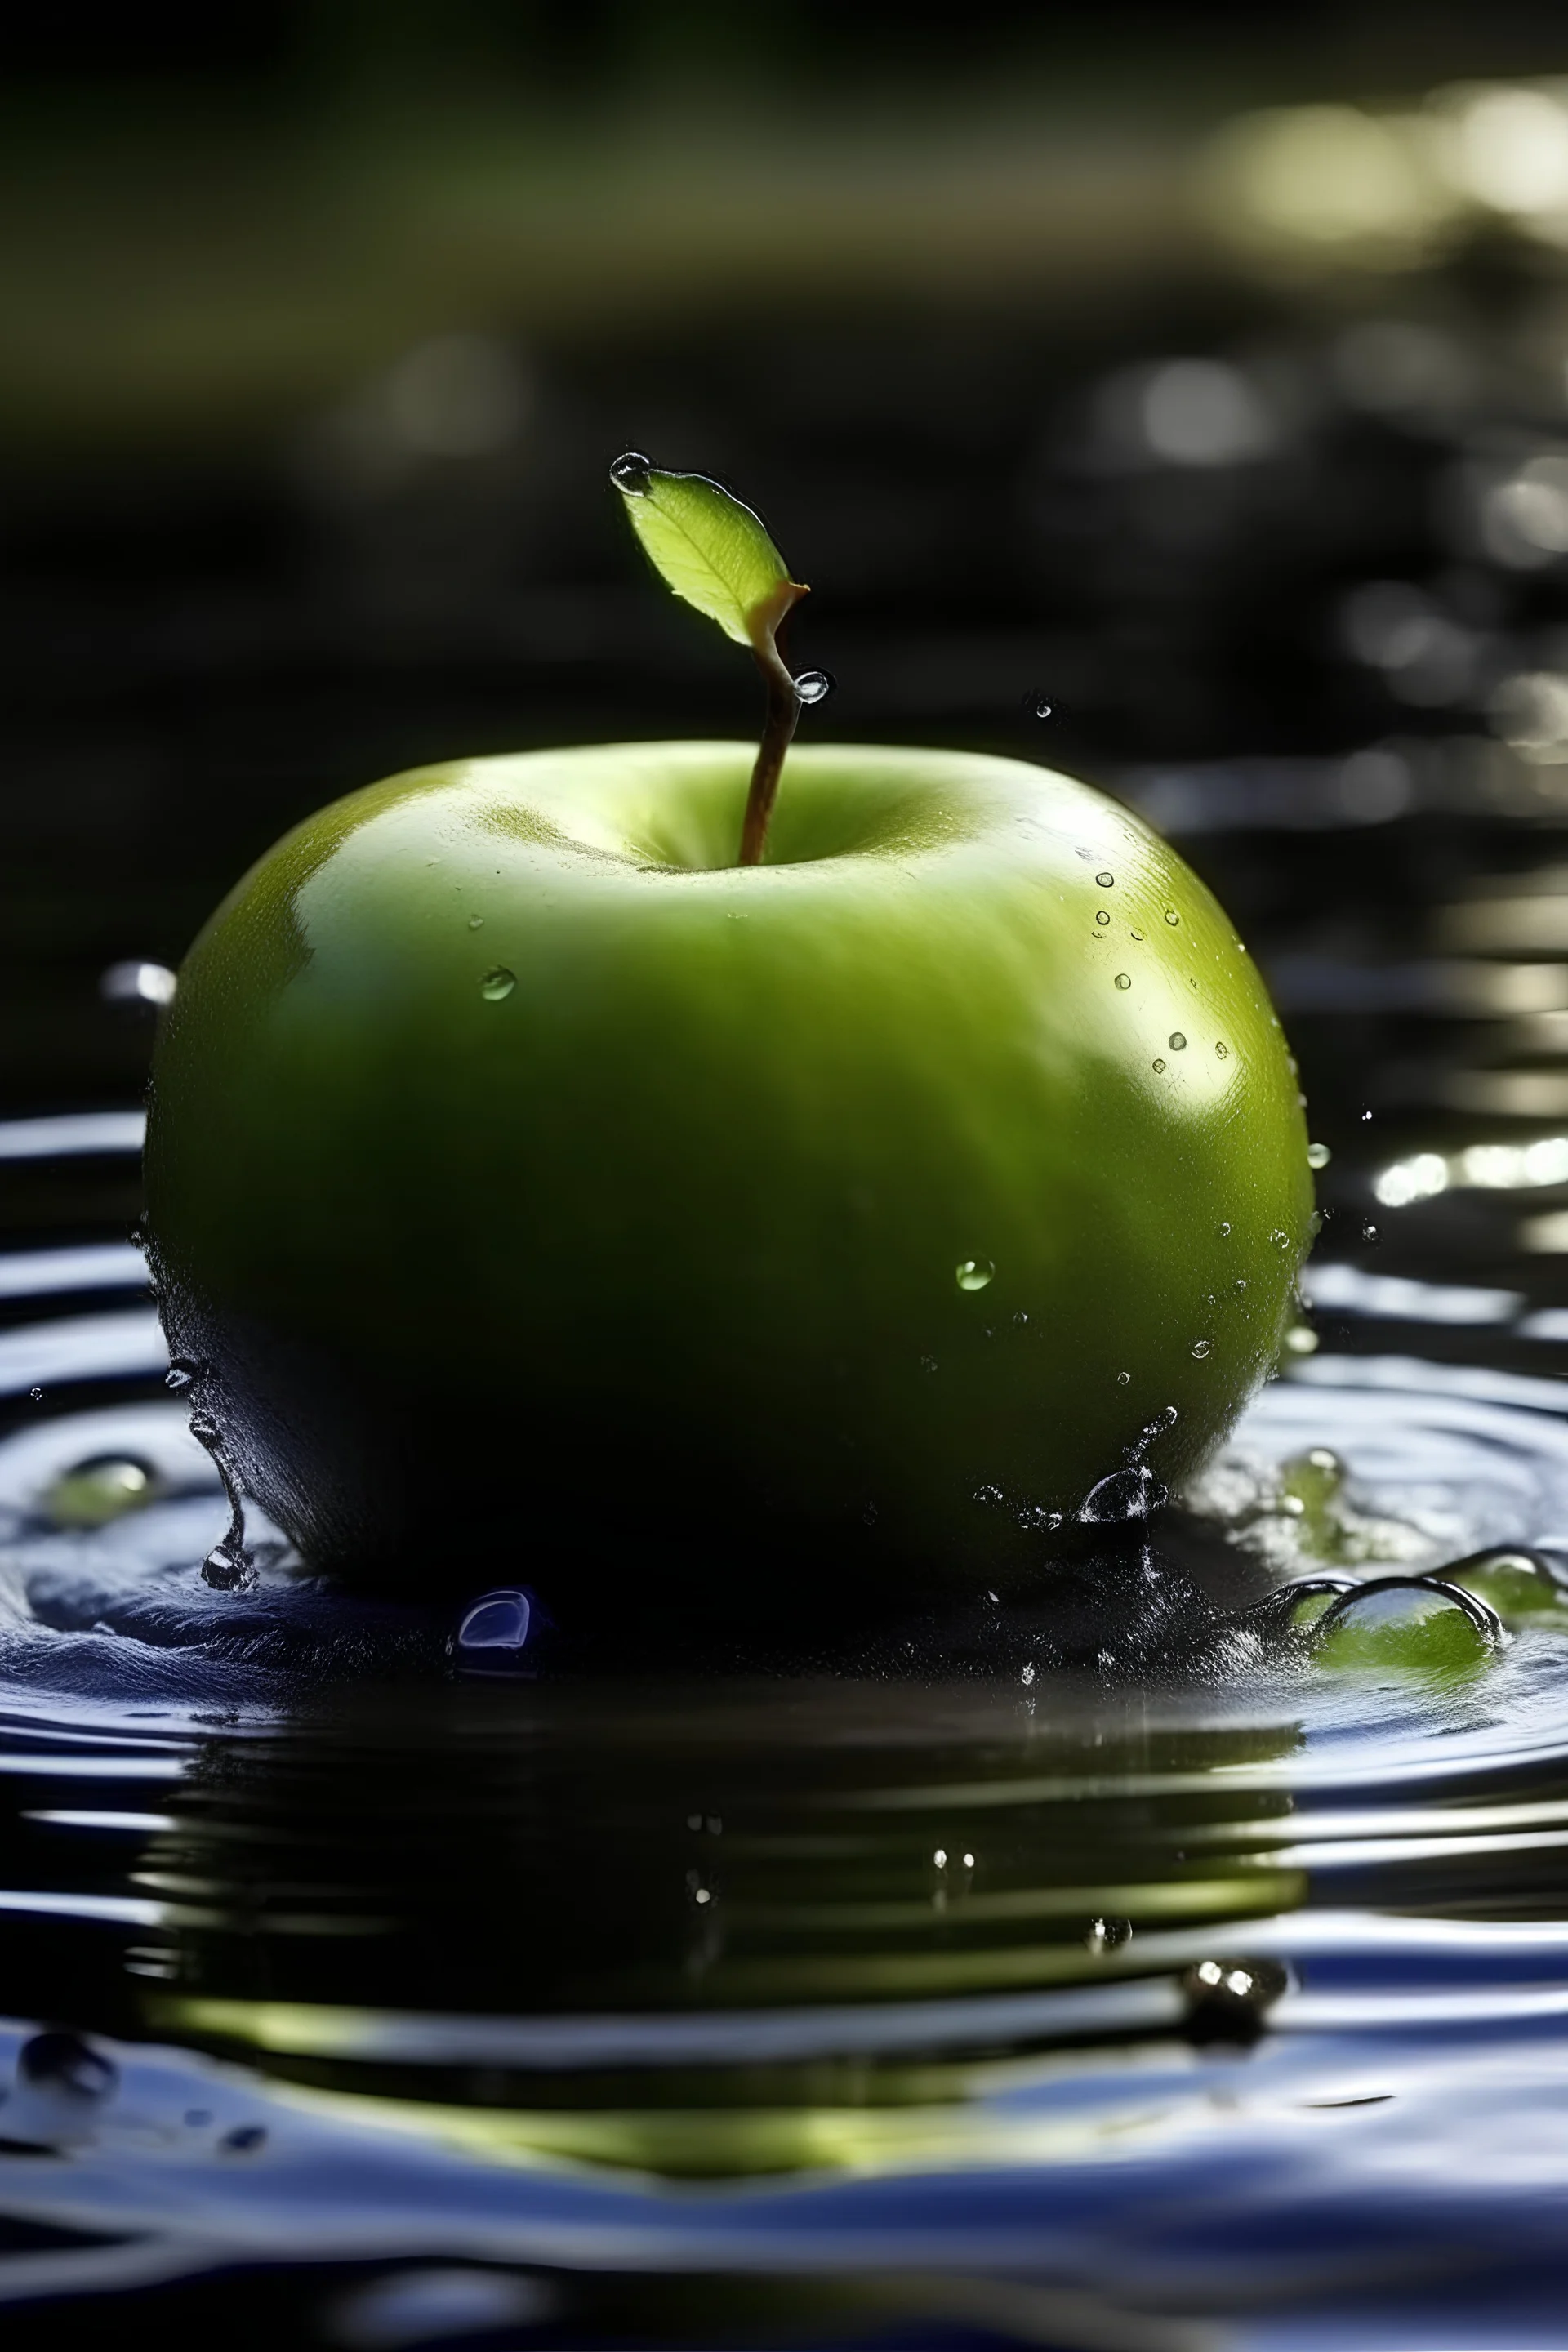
1318	1155
973	1273
631	473
497	984
812	685
1177	1042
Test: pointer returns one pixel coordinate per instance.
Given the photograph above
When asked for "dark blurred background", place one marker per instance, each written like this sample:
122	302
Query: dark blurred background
1199	373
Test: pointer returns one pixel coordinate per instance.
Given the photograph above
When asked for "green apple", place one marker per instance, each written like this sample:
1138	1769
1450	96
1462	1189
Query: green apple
538	1190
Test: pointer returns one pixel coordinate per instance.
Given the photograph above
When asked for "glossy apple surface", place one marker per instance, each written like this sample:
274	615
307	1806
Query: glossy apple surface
538	1191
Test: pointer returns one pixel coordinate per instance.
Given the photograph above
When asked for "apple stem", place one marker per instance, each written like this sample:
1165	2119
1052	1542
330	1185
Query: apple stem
783	718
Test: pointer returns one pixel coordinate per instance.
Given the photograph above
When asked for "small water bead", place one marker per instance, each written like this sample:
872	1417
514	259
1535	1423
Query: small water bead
1176	1042
95	1492
1280	1239
631	473
1300	1341
1102	918
1159	1066
497	984
1124	1495
1228	2001
1409	1625
1106	881
1318	1155
1201	1347
228	1568
1513	1582
1123	1380
1223	1229
1222	1051
973	1273
476	922
814	686
1172	916
493	1633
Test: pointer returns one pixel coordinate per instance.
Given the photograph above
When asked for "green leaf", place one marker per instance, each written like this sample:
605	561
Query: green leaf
709	548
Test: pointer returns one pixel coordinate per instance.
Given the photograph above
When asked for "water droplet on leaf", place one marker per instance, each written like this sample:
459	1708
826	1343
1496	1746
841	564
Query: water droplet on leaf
973	1273
1102	918
476	922
630	474
1170	916
1124	980
497	984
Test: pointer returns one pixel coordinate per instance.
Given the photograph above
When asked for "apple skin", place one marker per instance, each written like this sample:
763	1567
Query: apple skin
648	1266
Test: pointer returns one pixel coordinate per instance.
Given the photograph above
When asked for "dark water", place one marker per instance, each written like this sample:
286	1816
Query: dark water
1142	1972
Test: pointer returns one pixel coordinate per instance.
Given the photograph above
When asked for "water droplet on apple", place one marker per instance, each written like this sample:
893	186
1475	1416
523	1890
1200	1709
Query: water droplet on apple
476	922
496	982
1170	916
1125	1495
1201	1347
1318	1155
1224	1229
494	1629
1106	881
1177	1042
1124	980
630	474
1159	1065
1102	918
812	685
974	1273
